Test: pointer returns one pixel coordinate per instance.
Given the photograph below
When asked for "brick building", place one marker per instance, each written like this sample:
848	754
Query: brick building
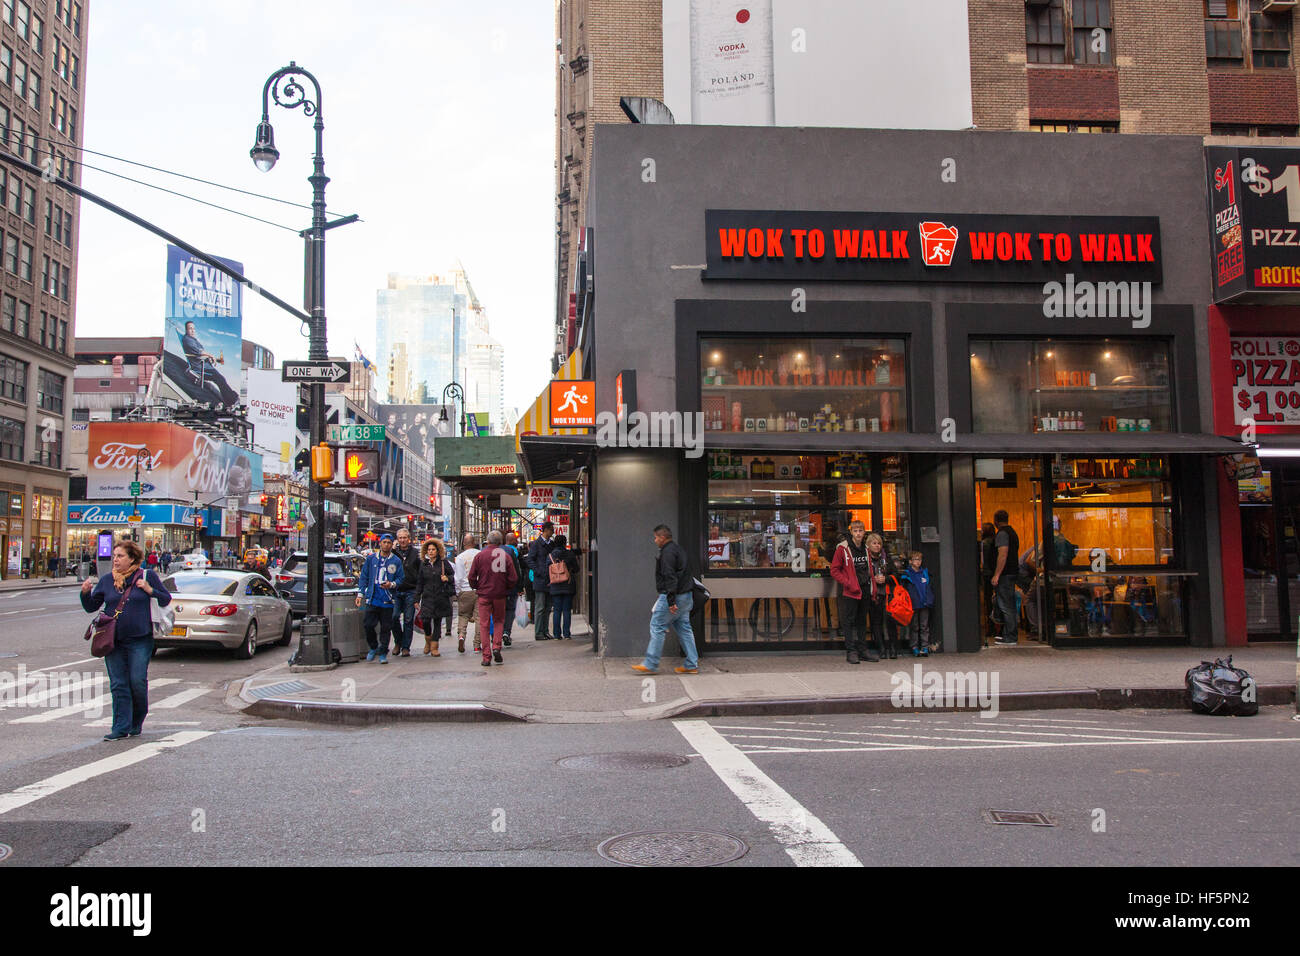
42	88
1213	68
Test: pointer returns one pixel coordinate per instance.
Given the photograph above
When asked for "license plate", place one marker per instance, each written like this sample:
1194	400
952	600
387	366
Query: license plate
179	631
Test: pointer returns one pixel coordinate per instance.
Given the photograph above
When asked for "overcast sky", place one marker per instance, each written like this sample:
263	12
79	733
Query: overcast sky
439	133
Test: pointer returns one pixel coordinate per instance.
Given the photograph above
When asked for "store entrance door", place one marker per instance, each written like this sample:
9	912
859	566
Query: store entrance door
1019	493
1270	530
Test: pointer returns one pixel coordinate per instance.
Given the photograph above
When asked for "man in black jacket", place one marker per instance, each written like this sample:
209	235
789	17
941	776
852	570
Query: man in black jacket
538	554
673	581
404	602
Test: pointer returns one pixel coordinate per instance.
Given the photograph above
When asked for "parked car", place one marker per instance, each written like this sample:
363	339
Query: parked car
195	561
341	573
233	610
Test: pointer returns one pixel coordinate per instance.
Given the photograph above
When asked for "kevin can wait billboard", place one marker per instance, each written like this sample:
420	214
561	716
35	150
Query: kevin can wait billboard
174	463
203	329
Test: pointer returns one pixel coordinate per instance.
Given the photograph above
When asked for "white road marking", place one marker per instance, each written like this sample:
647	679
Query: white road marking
108	722
807	840
175	700
57	667
1031	744
69	778
26	610
1122	730
95	704
36	698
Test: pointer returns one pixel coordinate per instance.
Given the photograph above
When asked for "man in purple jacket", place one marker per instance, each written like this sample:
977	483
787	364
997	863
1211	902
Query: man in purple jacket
493	577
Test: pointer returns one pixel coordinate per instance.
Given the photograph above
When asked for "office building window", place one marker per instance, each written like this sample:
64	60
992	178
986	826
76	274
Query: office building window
45	275
6	64
1045	32
49	216
25	263
22	326
72	71
11	254
62	342
24	24
15	195
40	328
1061	127
34	92
1091	25
1222	32
67	229
4	125
17	133
38	35
1270	36
9	12
63	282
29	204
11	439
49	391
4	188
13	379
8	309
1087	24
20	78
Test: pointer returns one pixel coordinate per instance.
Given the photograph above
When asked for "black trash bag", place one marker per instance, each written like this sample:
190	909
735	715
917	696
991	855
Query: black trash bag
1220	688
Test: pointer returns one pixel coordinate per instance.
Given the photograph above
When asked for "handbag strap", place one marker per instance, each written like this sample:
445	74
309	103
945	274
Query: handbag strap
121	602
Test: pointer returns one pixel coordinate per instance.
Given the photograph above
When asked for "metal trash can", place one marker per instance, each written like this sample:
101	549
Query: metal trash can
346	634
313	643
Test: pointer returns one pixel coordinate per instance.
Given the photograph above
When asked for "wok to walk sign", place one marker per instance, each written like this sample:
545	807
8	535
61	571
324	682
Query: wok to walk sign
573	404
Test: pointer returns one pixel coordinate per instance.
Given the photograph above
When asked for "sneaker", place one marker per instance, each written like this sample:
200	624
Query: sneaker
114	736
505	641
487	663
371	655
460	645
852	657
383	658
687	670
496	656
642	669
1003	643
916	652
872	656
924	652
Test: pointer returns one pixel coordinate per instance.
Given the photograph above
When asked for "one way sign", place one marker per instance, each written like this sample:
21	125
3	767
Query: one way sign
316	372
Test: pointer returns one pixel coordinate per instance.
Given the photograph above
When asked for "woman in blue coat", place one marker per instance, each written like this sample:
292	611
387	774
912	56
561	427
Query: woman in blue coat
128	663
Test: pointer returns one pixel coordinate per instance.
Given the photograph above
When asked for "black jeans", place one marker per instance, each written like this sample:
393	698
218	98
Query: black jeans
512	602
542	614
853	622
879	621
380	617
1007	605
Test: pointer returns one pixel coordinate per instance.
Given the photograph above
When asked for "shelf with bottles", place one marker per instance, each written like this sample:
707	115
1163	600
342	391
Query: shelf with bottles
1078	420
734	467
1137	469
884	412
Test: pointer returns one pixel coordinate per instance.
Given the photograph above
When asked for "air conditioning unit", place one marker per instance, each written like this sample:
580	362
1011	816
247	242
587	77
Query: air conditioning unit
1275	6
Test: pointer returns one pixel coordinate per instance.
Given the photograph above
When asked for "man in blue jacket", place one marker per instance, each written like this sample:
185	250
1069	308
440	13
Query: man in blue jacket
380	575
539	553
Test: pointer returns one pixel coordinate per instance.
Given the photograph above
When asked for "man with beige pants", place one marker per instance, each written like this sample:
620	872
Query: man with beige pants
466	597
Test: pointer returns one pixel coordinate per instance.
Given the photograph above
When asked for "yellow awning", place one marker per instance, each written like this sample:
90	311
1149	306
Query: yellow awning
537	420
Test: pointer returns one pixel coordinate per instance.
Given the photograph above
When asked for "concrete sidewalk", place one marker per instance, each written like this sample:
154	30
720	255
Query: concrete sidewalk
564	682
36	583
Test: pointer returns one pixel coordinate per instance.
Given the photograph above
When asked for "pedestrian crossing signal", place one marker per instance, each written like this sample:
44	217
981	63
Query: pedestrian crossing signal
322	464
360	466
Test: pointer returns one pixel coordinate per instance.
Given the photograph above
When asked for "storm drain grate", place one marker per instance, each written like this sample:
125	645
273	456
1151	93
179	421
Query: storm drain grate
5	850
673	848
1029	818
622	761
284	687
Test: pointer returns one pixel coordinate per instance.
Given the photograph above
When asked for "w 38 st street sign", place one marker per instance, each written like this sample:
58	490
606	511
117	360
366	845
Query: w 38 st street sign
332	372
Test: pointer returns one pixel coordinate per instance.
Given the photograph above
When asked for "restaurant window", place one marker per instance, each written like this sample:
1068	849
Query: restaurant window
11	439
1084	385
1114	550
1086	22
803	384
13	379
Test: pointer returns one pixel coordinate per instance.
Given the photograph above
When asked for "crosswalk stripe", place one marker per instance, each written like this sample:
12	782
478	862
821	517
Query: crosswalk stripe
96	704
175	700
36	698
69	778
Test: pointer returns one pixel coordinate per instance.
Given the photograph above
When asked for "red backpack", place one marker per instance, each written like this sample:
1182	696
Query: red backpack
900	605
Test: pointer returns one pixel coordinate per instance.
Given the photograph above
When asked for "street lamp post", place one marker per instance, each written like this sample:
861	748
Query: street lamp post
456	392
284	88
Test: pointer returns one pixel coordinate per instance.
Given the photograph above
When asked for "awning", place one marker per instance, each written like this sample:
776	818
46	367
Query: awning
556	457
537	421
485	465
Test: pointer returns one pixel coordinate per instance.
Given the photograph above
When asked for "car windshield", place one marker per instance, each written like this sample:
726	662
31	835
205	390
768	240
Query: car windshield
334	566
200	584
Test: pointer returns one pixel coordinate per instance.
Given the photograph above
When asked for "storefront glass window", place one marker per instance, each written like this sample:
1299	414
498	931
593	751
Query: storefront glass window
803	384
1123	507
1091	385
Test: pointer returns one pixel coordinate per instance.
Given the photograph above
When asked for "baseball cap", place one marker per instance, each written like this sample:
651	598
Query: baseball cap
385	537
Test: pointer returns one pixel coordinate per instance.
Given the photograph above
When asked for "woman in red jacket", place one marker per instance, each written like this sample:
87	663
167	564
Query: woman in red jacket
852	568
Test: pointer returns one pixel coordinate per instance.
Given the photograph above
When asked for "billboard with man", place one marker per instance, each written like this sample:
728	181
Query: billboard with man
203	329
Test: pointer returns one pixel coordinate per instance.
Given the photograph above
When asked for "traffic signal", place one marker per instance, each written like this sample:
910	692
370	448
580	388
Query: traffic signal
359	466
265	499
322	464
433	501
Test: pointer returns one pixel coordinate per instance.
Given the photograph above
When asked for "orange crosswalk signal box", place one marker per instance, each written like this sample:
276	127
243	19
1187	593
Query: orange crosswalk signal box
322	464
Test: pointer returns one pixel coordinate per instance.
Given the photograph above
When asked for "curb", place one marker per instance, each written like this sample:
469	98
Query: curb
40	586
362	714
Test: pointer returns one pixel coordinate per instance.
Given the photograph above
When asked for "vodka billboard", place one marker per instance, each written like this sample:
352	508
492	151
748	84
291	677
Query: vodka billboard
731	63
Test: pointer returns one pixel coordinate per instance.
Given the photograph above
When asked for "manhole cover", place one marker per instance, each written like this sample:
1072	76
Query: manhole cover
673	848
1030	818
434	675
5	850
622	761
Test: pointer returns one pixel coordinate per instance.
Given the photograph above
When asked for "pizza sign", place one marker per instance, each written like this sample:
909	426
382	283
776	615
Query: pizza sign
1266	378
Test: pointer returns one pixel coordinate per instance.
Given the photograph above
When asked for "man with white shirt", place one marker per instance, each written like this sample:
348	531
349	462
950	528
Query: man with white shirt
466	597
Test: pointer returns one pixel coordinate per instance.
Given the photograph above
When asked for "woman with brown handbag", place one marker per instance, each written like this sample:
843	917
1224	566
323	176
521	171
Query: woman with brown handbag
124	594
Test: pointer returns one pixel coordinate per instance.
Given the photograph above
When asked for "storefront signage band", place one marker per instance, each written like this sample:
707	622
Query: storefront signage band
118	514
488	469
1255	219
929	247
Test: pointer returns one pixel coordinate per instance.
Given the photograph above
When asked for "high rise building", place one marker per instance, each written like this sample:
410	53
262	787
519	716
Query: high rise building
429	316
42	85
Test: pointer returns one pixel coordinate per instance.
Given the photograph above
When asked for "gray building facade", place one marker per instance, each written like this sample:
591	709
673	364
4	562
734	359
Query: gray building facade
919	400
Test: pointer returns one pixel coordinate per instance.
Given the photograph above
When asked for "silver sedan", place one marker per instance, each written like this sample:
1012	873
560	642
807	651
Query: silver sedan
234	610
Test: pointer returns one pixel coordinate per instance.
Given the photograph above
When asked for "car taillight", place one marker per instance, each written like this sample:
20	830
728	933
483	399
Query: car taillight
283	578
342	581
220	610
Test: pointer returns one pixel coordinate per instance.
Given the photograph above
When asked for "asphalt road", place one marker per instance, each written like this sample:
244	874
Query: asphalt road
1120	788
